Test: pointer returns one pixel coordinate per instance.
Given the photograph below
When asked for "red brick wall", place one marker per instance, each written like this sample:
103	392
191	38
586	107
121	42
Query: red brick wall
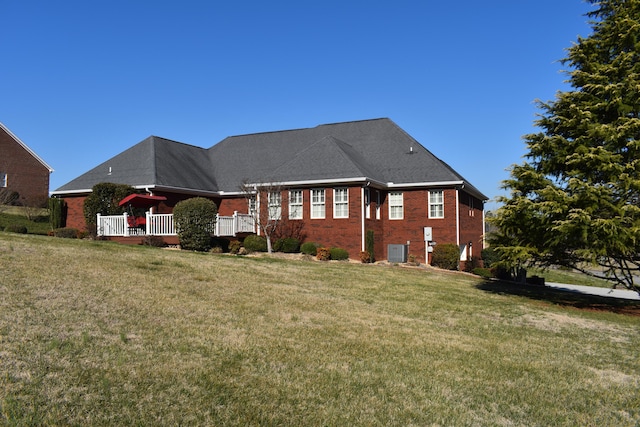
25	174
75	212
346	233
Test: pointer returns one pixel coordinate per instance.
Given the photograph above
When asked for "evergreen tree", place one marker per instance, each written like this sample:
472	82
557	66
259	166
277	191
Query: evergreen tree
574	201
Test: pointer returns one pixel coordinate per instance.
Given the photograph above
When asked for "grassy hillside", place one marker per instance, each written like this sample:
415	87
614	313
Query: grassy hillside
95	333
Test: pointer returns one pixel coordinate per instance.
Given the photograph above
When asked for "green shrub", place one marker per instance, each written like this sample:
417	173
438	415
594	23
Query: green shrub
57	211
289	245
194	221
338	254
369	244
104	199
483	272
255	243
309	248
323	254
489	257
66	233
446	256
15	228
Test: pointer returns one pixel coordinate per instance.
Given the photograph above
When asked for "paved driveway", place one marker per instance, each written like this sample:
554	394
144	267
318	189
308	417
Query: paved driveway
591	290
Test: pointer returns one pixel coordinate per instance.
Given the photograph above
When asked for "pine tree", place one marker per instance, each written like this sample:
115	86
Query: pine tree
574	201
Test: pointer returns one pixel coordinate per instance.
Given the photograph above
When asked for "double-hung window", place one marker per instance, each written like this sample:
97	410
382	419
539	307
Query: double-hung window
317	204
295	204
396	207
253	205
436	204
275	205
341	203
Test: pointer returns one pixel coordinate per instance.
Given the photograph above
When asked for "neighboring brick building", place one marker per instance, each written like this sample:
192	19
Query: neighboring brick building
335	183
22	172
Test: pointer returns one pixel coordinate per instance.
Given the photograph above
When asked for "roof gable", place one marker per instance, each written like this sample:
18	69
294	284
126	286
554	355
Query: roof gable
25	147
152	162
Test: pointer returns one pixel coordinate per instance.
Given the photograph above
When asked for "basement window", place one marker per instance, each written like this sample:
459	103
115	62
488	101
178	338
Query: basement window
3	180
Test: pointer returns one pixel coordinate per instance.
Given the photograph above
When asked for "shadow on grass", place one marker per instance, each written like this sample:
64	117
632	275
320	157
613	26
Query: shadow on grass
563	298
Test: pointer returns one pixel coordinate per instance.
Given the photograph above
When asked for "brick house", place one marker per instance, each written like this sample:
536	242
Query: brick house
333	184
22	172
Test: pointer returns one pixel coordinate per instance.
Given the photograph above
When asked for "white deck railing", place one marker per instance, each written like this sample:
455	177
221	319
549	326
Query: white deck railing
162	225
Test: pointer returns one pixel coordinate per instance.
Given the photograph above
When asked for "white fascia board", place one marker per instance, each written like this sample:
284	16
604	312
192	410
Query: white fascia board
178	190
425	184
71	192
318	182
460	184
29	150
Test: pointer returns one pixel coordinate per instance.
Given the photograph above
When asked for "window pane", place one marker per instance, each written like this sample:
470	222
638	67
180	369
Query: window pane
340	203
317	204
436	204
295	204
395	206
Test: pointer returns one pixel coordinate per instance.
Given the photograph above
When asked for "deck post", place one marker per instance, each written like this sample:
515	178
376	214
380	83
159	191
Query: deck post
98	226
235	223
126	225
147	223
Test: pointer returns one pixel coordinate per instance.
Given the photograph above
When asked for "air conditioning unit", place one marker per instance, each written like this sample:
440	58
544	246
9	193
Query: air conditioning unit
397	253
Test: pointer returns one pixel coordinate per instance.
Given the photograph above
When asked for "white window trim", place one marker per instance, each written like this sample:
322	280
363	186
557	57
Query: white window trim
378	199
296	206
252	207
431	203
275	205
342	203
401	205
367	203
314	204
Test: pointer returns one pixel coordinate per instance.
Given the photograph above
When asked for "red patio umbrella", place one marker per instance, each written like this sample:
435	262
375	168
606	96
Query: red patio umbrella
141	200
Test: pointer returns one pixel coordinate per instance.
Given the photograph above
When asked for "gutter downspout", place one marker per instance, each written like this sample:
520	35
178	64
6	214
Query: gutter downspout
457	217
362	207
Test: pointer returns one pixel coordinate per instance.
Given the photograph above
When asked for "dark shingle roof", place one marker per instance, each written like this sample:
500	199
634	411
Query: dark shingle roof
152	162
376	150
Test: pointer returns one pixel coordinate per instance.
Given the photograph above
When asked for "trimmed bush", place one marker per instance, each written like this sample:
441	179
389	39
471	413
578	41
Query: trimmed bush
369	244
234	246
339	254
255	243
194	221
446	256
57	208
309	248
66	233
323	254
14	228
287	245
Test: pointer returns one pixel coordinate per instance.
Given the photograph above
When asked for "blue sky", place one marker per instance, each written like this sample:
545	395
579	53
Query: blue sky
82	81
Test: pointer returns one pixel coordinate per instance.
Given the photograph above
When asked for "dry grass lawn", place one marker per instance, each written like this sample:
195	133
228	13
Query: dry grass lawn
95	333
